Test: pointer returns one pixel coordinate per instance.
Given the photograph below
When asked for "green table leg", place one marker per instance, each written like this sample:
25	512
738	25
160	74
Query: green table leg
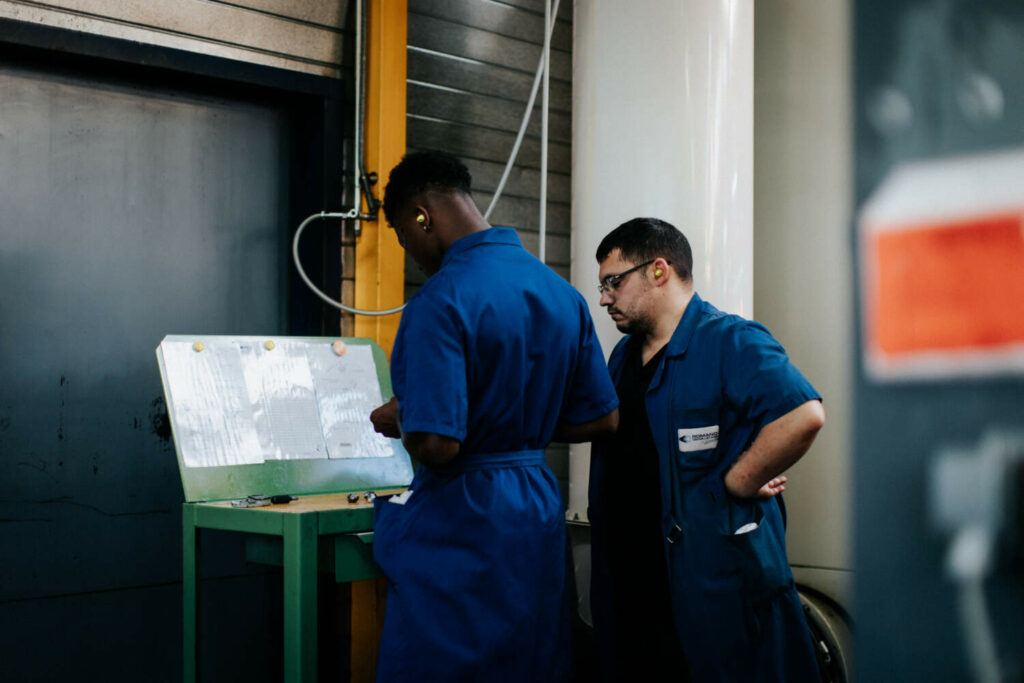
300	575
189	585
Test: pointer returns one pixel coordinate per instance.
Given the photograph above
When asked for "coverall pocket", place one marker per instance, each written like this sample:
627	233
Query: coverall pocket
391	526
758	551
743	516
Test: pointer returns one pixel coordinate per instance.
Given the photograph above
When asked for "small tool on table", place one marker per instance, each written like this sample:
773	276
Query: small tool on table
258	500
369	497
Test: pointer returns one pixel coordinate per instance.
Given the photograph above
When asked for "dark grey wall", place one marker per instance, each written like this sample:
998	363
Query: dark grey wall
128	210
905	618
470	69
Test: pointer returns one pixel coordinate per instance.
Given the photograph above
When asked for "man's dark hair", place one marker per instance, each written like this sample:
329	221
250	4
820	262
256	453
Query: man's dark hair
420	172
645	239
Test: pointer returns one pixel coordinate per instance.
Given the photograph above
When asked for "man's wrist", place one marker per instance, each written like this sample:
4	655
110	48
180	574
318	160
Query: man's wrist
728	484
734	485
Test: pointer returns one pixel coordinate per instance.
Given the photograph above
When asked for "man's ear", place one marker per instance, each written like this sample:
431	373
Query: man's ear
661	267
423	217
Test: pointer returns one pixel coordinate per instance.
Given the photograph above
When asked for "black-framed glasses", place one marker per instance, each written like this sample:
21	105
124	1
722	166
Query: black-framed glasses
612	282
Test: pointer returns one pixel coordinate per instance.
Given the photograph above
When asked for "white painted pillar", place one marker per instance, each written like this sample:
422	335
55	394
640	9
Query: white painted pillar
663	127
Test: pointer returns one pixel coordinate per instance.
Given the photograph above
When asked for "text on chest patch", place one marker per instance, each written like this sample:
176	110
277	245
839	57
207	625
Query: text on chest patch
698	439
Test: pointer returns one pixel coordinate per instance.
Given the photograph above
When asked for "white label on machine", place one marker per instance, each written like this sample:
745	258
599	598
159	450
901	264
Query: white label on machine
942	269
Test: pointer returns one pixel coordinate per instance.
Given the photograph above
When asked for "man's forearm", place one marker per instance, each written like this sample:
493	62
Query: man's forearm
431	449
587	431
778	446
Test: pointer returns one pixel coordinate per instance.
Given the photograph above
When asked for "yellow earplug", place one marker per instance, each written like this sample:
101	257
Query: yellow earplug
658	272
420	218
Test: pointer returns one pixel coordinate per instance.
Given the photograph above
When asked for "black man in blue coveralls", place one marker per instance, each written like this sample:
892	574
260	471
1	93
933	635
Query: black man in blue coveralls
495	357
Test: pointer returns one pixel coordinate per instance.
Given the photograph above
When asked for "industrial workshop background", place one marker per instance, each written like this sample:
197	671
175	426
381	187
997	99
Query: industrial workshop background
156	158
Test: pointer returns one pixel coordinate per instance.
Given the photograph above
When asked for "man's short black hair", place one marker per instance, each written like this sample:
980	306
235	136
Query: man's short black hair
419	172
645	239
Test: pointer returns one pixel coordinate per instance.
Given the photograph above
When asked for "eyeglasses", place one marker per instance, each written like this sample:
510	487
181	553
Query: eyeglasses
612	282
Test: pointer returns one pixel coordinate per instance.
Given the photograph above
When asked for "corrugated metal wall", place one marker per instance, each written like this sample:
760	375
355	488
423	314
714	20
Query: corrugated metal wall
471	66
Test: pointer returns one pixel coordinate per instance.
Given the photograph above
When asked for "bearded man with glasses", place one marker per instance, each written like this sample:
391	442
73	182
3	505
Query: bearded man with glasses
691	576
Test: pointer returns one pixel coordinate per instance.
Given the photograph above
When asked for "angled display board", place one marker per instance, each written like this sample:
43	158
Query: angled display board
287	415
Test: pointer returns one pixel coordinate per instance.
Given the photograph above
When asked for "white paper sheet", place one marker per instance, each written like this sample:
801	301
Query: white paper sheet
213	419
280	389
347	391
236	402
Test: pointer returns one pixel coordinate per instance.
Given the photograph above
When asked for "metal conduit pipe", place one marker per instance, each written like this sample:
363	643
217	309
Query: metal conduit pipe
354	214
357	137
542	237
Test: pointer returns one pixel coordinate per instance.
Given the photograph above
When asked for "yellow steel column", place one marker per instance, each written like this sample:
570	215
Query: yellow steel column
380	261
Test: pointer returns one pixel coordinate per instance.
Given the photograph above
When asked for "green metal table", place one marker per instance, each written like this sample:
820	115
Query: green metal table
235	416
314	533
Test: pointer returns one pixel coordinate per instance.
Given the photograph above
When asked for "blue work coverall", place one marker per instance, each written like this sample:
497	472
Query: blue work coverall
493	351
735	606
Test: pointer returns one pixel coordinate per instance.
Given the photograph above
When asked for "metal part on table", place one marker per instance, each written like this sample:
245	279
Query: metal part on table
254	501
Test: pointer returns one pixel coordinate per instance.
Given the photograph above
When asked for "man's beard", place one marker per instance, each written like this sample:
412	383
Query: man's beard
639	326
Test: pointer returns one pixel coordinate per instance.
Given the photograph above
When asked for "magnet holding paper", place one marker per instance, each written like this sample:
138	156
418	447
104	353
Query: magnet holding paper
198	346
270	345
339	347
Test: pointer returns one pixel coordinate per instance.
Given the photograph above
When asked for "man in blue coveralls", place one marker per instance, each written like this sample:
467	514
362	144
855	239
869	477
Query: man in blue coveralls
495	357
689	570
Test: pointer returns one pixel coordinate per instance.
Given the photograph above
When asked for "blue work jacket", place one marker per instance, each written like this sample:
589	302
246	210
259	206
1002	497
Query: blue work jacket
494	350
736	610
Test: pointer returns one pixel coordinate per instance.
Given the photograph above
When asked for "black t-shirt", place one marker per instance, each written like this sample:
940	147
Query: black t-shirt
632	469
639	577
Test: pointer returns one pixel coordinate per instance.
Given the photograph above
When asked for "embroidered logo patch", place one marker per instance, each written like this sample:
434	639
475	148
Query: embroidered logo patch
698	439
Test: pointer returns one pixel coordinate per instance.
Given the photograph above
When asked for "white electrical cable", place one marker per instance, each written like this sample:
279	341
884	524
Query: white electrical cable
354	213
969	560
522	128
977	631
543	231
357	152
550	13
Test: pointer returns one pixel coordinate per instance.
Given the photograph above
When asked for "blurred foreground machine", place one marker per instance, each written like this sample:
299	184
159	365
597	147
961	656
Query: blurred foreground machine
274	441
940	364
